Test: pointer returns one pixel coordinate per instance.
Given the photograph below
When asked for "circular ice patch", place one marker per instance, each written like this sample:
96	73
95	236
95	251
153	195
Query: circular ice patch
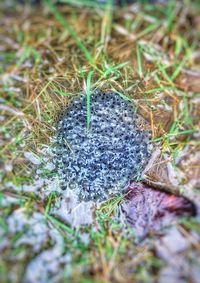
100	161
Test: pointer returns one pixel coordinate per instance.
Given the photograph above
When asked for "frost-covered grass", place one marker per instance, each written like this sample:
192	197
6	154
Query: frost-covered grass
149	53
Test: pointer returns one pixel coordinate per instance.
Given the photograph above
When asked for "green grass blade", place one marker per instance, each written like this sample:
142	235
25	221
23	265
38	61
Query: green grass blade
139	61
24	55
148	29
164	73
159	89
85	3
88	94
62	93
107	22
60	224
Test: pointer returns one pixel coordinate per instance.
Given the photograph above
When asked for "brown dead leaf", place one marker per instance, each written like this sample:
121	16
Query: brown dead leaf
189	80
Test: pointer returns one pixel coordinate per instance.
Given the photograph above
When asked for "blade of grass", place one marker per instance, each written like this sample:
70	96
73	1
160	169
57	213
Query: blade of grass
88	3
24	55
159	89
178	45
27	53
148	29
139	61
175	134
180	66
88	94
60	224
110	70
170	15
63	93
124	96
107	22
162	69
54	220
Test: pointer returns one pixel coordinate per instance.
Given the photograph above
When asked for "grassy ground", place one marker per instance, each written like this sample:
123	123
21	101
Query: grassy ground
150	53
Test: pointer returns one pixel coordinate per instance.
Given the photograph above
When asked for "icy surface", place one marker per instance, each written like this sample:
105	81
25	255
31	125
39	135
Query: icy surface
100	161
